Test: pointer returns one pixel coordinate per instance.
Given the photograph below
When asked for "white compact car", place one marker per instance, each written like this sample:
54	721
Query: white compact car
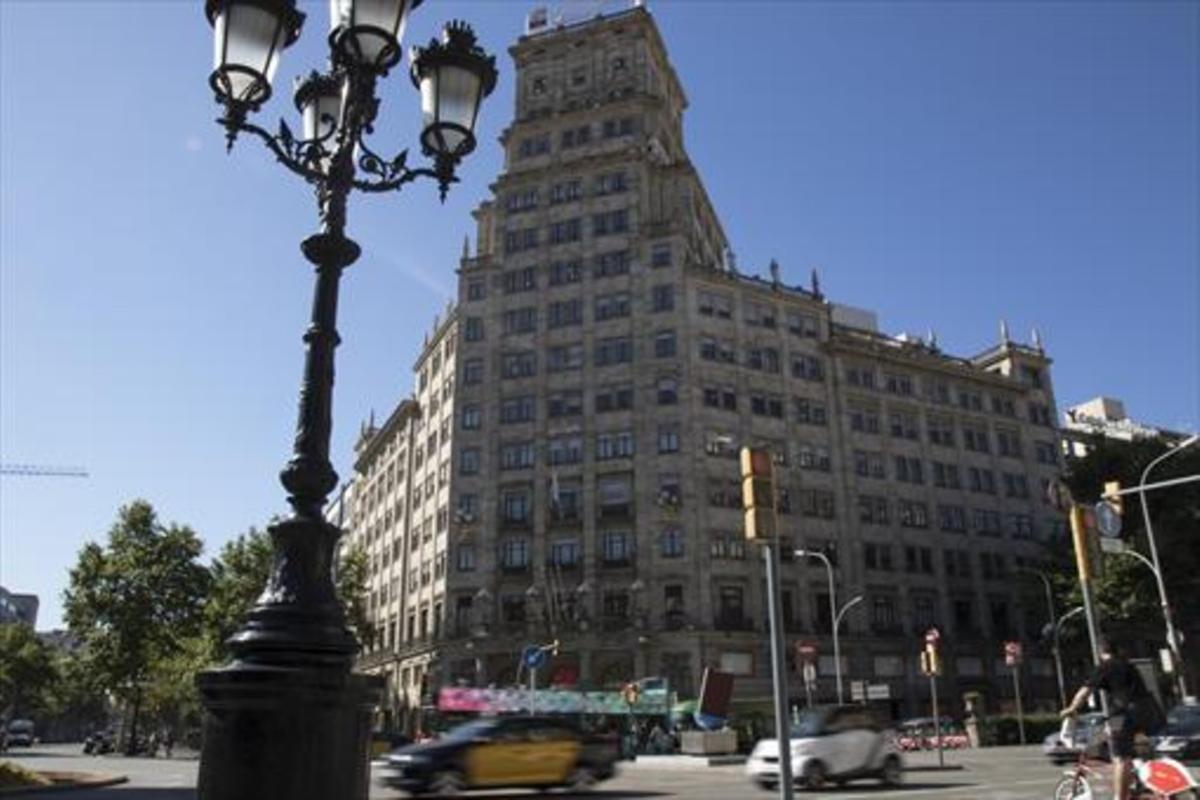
833	744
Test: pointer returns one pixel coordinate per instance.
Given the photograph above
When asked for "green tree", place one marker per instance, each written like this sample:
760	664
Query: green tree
27	671
136	601
353	568
1127	593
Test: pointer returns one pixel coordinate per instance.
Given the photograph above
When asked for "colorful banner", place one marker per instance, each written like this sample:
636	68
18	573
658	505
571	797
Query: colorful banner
546	701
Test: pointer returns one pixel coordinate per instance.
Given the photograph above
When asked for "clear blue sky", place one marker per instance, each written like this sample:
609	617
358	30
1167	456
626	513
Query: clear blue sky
945	164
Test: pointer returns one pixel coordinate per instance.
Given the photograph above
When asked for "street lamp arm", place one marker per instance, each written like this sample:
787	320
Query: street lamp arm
395	173
298	155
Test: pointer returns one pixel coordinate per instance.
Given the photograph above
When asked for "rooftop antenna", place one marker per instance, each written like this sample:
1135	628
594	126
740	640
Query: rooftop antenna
1036	337
774	273
816	283
1004	332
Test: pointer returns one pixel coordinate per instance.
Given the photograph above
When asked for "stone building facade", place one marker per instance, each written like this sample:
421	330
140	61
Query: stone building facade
572	445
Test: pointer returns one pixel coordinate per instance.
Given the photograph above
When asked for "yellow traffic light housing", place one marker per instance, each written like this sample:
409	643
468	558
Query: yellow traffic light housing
758	494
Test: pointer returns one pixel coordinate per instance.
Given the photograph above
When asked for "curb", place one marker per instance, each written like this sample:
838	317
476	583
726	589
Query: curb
80	780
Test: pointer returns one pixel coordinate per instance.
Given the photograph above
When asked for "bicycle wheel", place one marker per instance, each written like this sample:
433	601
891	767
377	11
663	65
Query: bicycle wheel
1073	787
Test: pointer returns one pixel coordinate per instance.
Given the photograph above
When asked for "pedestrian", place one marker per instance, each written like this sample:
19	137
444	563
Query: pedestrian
168	742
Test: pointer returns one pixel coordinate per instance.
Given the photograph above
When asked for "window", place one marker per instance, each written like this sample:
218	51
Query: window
970	400
575	137
941	430
814	457
612	306
909	469
913	514
619	444
668	438
567	230
519	280
616	350
861	376
662	298
727	546
868	465
512	608
670	543
1016	486
563	313
668	391
611	183
664	344
896	383
517	455
903	425
981	480
476	290
564	272
468	461
519	320
873	510
564	357
516	241
760	315
808	368
614	398
766	406
877	556
975	438
712	304
564	450
987	522
864	420
1045	453
473	329
1021	526
1008	443
817	503
607	265
763	358
610	222
464	557
564	404
809	412
803	325
521	200
565	553
515	506
952	517
514	553
622	126
615	494
616	547
883	613
519	365
534	146
1004	406
615	605
946	476
660	254
515	410
471	418
565	191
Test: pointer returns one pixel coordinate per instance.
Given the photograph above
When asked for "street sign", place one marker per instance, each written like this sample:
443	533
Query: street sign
1108	519
806	651
533	656
810	672
1012	653
932	637
858	690
879	691
1112	545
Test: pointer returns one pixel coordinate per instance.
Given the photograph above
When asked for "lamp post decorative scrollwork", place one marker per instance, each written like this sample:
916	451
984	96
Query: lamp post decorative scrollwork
289	692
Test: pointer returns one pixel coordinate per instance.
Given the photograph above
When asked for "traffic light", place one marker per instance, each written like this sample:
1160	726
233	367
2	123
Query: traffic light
1110	494
631	693
758	494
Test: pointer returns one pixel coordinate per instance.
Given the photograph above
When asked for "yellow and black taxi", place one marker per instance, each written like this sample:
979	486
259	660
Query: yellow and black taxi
503	752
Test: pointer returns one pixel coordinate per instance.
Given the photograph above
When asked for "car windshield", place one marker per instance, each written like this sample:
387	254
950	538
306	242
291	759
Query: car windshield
470	730
810	723
20	726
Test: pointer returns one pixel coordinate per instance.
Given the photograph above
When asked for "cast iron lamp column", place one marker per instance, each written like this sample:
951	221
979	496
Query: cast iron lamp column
288	719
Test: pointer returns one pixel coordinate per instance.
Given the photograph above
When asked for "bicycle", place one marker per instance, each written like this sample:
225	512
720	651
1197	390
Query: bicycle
1153	778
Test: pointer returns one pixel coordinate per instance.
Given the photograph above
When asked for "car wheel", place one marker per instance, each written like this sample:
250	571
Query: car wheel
891	774
1073	788
814	775
582	779
448	783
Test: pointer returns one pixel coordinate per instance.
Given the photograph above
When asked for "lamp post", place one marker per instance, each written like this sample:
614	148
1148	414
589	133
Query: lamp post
1172	635
1053	622
290	691
834	616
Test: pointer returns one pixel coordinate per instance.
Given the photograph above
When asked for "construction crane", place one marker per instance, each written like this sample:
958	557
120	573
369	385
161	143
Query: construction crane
42	470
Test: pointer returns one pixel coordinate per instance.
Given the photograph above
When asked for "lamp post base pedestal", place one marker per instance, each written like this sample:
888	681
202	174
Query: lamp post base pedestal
252	714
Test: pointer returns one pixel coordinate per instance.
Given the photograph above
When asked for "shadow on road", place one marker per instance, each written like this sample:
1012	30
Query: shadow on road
907	786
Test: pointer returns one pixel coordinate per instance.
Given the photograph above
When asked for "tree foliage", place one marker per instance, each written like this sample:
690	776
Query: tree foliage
27	670
135	602
1127	593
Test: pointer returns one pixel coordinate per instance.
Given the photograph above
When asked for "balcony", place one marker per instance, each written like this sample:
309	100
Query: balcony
618	511
515	523
564	566
514	569
617	563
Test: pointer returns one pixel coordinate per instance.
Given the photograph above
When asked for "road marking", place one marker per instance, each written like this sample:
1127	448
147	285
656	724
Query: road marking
974	790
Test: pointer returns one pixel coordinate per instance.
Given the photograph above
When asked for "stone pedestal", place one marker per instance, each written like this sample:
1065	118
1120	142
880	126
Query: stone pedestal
709	743
284	733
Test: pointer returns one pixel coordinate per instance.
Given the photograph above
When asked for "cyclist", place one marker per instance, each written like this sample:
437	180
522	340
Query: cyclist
1132	710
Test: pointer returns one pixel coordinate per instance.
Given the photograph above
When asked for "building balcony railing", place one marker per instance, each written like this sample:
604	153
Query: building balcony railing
617	563
514	569
564	566
623	511
515	523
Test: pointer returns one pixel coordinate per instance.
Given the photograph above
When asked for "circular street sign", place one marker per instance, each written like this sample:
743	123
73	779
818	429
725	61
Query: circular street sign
533	656
1108	519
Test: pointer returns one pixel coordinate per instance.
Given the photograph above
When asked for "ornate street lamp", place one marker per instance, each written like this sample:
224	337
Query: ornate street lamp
288	718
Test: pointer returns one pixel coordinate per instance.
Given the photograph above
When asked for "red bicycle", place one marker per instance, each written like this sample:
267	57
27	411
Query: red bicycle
1154	778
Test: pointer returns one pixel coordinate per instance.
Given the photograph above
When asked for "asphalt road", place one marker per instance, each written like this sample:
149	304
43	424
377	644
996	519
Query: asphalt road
1012	773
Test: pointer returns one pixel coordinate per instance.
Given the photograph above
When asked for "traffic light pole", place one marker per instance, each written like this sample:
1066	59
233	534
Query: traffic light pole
937	720
779	676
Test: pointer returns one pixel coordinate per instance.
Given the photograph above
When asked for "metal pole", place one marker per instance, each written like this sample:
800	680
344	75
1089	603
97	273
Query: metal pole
779	678
1062	689
837	648
1017	694
937	720
1172	638
532	688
